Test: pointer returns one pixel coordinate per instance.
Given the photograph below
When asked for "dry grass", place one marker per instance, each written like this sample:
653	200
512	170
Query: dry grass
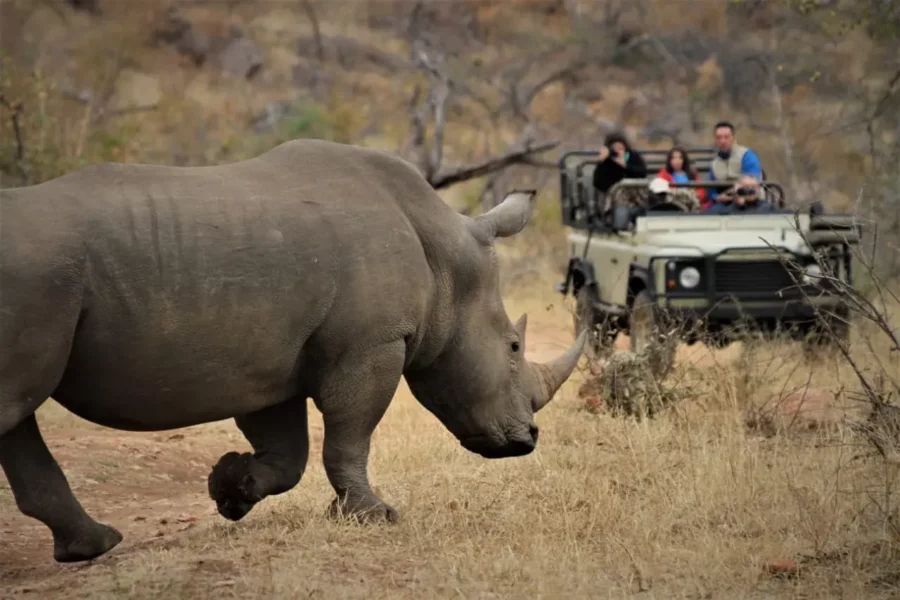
692	503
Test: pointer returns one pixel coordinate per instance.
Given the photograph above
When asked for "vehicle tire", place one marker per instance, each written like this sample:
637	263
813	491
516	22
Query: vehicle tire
645	331
599	344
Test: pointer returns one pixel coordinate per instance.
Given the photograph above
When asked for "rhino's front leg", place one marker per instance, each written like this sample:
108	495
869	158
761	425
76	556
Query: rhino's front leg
354	399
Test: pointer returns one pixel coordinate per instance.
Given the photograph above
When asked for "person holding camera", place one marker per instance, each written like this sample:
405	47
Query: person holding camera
617	162
744	197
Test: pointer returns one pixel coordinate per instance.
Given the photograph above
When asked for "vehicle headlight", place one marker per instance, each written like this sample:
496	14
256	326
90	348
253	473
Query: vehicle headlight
812	273
689	277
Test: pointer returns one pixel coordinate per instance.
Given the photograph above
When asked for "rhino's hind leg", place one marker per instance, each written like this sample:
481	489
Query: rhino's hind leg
42	492
280	441
353	401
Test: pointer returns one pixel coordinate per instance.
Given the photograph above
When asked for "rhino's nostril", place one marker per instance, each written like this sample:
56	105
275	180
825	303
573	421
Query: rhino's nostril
533	430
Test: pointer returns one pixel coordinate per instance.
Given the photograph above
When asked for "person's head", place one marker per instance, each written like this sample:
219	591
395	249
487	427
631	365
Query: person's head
617	144
659	191
746	191
724	136
678	161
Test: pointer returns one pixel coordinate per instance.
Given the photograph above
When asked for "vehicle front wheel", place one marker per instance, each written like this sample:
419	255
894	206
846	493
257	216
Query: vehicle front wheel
648	335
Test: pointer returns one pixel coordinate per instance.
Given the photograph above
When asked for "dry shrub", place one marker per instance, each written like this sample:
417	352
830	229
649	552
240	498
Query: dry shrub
630	384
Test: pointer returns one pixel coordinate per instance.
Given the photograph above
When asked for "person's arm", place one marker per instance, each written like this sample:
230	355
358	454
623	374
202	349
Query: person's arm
701	192
606	174
750	165
725	200
716	208
598	178
636	168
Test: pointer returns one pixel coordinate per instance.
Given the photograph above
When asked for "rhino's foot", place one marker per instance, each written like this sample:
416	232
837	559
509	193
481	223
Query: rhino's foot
96	542
368	510
232	485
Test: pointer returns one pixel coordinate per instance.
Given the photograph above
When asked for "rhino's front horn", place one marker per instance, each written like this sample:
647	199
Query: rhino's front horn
550	376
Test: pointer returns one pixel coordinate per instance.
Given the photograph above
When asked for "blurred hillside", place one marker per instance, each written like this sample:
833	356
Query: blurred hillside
812	85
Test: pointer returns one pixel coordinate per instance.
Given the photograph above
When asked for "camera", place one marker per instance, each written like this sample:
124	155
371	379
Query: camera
745	191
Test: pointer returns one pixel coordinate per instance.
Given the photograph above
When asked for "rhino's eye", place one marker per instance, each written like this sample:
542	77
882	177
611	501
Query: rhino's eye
515	346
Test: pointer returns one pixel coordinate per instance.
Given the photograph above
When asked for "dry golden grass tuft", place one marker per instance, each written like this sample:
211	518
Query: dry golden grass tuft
697	502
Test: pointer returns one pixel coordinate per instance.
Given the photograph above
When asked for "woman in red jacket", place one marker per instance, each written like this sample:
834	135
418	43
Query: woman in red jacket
678	169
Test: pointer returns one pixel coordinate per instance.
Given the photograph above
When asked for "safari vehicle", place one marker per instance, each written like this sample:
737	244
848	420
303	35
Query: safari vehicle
652	271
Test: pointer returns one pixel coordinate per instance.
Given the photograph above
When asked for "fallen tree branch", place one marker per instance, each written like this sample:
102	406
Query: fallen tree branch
519	155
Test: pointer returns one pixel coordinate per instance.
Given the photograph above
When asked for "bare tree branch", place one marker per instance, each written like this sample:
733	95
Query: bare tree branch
517	101
16	110
890	89
520	101
417	143
412	25
518	155
53	6
441	87
782	125
317	33
429	156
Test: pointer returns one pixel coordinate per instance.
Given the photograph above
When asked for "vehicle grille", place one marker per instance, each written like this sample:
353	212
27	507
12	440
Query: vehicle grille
757	278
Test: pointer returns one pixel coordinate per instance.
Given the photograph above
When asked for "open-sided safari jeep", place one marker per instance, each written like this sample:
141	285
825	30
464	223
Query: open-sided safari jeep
657	271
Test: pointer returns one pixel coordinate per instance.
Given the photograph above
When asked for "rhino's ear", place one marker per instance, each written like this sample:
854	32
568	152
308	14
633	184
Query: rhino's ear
520	326
507	218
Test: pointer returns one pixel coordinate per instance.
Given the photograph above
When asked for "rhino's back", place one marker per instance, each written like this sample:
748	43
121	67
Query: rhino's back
208	289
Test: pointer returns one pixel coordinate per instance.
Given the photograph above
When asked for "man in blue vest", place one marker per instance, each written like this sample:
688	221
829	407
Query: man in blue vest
732	160
744	197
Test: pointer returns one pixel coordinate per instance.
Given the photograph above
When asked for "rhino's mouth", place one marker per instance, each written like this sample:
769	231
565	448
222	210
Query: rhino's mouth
511	446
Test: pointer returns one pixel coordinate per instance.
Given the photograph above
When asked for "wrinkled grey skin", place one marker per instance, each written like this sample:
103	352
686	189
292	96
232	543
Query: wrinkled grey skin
147	298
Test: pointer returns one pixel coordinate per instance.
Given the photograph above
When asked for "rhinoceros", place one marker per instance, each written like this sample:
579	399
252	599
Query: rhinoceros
150	298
